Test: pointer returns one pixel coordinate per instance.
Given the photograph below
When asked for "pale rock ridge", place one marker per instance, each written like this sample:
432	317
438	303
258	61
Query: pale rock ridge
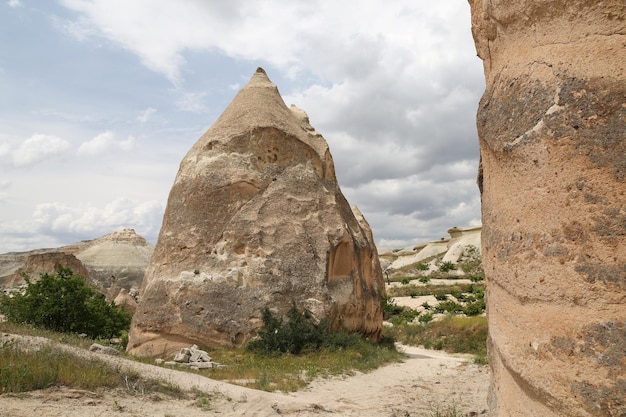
116	261
552	126
452	248
256	219
112	262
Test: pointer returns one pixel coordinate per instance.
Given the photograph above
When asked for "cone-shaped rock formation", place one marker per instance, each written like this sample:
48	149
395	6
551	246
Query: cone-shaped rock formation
256	219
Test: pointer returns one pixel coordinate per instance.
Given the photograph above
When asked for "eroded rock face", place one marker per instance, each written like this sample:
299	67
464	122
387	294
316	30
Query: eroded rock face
552	127
255	219
47	262
116	261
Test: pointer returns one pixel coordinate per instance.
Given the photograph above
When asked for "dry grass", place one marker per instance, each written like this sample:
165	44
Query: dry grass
270	373
27	368
288	373
454	334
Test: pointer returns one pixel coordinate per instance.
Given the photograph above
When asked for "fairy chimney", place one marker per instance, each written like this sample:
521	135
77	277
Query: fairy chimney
256	219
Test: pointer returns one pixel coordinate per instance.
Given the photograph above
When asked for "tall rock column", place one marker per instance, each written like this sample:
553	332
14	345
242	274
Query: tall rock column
552	128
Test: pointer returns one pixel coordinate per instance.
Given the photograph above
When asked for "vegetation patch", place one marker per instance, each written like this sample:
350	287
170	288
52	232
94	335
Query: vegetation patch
290	352
288	372
65	302
447	266
454	334
27	369
437	290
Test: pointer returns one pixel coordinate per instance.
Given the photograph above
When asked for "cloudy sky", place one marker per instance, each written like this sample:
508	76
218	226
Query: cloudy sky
101	99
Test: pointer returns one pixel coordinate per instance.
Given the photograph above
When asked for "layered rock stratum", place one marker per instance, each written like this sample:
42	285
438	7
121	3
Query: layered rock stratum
552	129
255	219
114	262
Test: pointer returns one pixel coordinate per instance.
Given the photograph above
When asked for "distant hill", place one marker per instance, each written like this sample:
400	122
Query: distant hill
112	262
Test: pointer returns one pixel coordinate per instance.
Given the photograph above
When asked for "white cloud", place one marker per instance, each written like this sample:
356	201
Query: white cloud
14	3
104	143
71	223
37	148
5	149
294	35
192	102
145	115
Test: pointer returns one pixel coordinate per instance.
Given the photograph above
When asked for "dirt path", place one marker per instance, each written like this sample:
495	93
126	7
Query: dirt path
425	381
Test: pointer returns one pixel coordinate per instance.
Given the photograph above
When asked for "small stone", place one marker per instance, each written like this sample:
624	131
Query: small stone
182	356
98	348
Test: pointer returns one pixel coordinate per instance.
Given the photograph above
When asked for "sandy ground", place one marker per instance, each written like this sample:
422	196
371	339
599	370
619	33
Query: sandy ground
424	382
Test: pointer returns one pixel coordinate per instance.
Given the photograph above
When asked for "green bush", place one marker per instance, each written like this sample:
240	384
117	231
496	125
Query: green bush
406	316
447	266
475	308
425	318
405	281
65	302
299	334
390	308
424	280
449	307
421	266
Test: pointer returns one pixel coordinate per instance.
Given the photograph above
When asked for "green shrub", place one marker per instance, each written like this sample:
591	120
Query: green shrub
425	318
65	302
406	316
298	334
421	266
449	307
424	280
475	308
471	262
447	266
390	308
441	297
477	290
405	281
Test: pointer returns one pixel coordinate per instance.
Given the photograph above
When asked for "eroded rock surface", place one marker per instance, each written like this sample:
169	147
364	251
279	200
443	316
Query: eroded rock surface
256	219
35	264
552	127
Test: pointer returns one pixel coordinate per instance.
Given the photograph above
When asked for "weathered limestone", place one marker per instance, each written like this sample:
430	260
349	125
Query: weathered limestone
552	128
255	219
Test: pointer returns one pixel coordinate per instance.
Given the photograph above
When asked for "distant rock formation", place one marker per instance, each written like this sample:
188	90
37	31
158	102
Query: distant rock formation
552	128
451	248
112	262
117	261
256	219
36	264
